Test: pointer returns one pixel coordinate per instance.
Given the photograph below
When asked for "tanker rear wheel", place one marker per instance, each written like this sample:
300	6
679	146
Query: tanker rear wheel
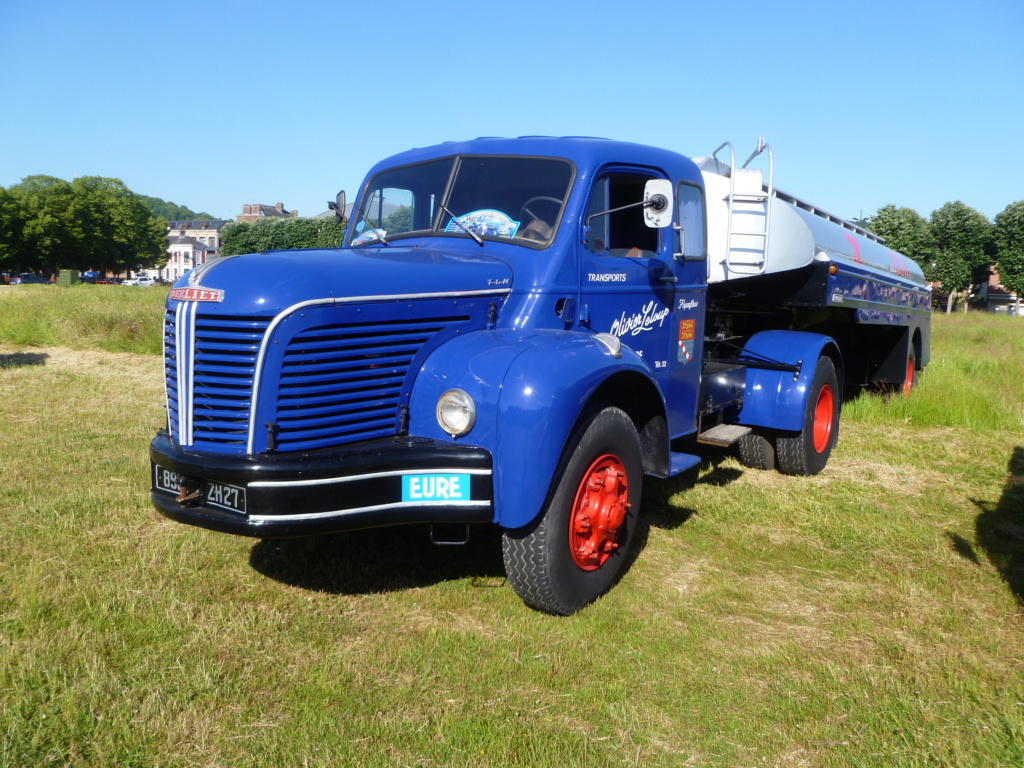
910	381
757	450
806	452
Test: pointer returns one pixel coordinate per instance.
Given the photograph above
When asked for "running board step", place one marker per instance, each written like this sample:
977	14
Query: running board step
723	435
680	462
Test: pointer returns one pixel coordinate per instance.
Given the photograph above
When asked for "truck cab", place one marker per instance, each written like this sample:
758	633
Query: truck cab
513	333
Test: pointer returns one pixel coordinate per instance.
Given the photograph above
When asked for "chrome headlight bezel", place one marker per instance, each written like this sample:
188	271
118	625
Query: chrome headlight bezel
456	412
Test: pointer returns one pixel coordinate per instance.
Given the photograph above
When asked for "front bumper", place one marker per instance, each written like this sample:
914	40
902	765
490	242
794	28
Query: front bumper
371	484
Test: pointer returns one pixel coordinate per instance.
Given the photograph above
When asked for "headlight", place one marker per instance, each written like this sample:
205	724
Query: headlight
456	412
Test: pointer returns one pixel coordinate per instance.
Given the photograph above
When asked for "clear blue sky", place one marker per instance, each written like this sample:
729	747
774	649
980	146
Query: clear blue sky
219	103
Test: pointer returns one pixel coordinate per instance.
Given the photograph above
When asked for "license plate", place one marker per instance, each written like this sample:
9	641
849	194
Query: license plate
220	495
225	496
165	480
429	487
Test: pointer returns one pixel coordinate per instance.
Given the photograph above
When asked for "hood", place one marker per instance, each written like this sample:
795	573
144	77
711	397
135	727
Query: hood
268	282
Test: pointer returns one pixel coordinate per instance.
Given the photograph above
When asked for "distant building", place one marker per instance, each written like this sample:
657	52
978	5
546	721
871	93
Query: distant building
189	244
257	211
206	231
994	296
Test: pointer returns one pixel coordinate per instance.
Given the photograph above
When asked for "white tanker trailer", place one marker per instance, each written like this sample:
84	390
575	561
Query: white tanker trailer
773	254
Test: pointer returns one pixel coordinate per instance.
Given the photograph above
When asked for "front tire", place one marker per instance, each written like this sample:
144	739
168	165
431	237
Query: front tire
806	452
579	545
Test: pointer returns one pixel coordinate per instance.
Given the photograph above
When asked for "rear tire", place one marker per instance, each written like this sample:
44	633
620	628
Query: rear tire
911	376
579	545
757	450
806	452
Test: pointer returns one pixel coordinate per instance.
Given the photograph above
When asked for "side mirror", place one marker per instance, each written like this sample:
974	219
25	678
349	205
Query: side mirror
658	203
338	206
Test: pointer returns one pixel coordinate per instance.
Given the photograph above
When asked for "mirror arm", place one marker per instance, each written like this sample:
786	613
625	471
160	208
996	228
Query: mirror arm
644	203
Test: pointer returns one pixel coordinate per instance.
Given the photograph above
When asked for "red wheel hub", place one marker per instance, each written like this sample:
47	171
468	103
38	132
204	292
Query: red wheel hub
823	410
908	383
598	512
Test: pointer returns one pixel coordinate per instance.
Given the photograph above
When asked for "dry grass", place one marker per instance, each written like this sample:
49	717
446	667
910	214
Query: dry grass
867	616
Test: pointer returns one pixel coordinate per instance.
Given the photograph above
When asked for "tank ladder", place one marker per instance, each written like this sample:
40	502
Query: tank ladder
750	211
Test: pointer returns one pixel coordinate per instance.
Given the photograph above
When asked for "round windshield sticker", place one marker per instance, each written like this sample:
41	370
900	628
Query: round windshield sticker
486	223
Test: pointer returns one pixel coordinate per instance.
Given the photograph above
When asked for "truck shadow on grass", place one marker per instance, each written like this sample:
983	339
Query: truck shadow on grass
999	530
403	557
22	359
658	509
380	560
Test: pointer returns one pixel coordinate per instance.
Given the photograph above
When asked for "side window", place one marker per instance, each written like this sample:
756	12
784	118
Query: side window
690	205
621	233
392	210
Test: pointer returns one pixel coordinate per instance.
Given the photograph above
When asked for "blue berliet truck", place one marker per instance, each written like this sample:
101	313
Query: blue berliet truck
514	333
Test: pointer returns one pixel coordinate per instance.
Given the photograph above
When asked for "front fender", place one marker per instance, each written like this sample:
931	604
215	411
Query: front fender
530	388
776	399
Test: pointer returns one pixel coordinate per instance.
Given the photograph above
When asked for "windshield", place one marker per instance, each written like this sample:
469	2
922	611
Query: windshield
505	198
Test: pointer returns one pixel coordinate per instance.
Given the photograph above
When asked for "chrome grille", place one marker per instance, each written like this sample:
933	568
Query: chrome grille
210	369
341	383
322	384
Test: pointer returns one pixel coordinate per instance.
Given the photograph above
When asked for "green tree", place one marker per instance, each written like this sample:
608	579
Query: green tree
1009	238
309	233
236	238
276	233
91	222
906	231
399	221
120	232
267	234
951	272
12	236
52	233
963	247
172	211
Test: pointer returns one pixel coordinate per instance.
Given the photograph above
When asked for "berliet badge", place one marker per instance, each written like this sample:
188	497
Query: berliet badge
197	294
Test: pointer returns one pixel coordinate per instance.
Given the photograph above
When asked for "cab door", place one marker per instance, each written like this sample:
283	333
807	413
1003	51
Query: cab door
633	287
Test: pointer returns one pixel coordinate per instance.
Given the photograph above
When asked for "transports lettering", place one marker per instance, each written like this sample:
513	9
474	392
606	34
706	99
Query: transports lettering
606	277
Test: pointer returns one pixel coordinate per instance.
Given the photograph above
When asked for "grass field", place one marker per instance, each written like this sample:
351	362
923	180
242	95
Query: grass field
868	616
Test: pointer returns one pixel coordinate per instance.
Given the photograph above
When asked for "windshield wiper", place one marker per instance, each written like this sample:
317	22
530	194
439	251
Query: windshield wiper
377	231
463	227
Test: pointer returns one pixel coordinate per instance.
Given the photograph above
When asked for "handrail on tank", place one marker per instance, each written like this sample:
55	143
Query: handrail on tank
732	194
762	145
732	156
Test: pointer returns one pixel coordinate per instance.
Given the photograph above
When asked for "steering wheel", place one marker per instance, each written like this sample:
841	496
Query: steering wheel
557	202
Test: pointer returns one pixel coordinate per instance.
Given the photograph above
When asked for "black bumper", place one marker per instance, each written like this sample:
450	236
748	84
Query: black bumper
372	484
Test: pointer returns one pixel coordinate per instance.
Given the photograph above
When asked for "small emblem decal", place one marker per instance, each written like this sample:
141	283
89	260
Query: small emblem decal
687	334
197	294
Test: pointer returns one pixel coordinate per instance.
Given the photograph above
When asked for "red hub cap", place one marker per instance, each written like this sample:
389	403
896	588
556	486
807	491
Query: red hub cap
823	419
598	512
908	382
